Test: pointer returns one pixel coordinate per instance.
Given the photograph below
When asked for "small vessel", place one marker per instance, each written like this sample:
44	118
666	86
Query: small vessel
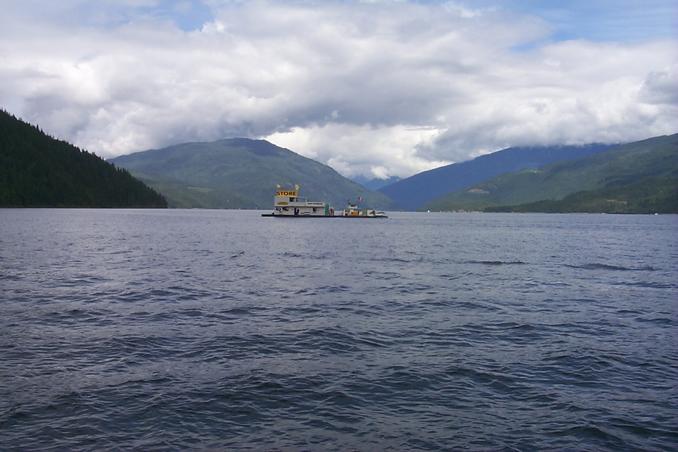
288	204
352	210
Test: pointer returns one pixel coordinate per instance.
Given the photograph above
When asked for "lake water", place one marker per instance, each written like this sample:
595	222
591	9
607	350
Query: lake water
207	329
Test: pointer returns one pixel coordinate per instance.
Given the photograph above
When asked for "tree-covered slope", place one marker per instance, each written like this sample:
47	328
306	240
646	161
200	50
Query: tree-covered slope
240	173
649	195
622	169
415	191
37	170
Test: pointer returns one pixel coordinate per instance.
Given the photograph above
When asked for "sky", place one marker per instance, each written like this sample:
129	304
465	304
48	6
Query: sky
374	88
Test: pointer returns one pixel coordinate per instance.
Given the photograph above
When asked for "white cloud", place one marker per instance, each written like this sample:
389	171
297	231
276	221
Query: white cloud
375	88
353	149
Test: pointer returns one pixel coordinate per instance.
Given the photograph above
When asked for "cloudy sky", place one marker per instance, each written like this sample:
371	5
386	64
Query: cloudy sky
376	88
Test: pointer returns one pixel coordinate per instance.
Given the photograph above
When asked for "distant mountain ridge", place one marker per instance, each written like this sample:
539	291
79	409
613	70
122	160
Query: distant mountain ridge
37	170
240	173
375	183
639	177
414	192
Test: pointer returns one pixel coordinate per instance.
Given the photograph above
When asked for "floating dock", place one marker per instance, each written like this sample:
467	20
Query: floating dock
288	204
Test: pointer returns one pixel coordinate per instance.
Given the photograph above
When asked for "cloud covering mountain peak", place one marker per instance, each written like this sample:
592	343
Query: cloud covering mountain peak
372	88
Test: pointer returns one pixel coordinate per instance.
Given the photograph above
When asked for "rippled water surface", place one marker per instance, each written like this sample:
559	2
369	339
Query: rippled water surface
196	329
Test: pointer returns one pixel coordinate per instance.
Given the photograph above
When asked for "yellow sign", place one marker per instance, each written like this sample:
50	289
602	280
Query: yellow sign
286	193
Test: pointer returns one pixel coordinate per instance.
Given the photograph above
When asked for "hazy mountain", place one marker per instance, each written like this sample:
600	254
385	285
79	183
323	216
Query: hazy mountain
634	177
240	173
37	170
415	191
375	183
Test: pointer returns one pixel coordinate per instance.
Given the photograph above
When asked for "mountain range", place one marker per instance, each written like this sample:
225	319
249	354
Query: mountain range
37	170
639	177
375	183
416	191
240	173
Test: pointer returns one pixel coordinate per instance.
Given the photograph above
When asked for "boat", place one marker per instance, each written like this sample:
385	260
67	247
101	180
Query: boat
288	204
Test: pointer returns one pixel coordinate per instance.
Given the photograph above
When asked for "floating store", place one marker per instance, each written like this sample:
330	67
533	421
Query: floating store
288	204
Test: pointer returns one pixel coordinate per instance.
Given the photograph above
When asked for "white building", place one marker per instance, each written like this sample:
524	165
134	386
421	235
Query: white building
288	203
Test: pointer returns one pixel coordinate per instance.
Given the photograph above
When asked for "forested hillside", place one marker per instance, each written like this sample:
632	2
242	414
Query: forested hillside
37	170
240	173
637	177
415	191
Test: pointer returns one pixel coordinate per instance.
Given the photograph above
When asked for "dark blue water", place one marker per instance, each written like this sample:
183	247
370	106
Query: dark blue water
223	330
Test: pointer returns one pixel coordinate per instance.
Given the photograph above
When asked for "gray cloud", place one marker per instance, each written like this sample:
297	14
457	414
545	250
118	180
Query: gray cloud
371	88
661	87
